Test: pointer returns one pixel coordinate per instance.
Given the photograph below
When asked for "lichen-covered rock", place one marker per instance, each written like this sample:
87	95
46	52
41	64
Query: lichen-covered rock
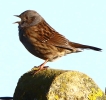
74	85
53	84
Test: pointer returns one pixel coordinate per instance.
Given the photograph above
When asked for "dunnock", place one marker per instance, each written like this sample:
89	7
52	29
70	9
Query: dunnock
41	40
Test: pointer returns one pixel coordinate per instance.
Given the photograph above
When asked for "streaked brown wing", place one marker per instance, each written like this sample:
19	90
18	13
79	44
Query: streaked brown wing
51	37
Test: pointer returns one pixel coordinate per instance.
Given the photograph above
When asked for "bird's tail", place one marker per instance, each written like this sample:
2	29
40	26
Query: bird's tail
81	46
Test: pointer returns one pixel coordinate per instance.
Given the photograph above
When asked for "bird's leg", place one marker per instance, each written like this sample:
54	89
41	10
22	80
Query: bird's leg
40	67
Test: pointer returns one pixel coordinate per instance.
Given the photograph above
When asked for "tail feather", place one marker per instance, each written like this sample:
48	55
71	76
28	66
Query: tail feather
81	46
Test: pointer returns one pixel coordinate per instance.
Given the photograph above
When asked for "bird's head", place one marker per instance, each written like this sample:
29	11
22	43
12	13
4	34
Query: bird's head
29	18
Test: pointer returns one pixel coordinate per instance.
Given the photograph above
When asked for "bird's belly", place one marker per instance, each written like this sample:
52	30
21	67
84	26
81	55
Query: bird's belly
44	51
59	54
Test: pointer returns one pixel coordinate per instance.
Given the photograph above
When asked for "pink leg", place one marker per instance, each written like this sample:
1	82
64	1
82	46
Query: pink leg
41	67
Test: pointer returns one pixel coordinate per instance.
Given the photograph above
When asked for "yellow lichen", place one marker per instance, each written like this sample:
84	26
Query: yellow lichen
56	97
95	94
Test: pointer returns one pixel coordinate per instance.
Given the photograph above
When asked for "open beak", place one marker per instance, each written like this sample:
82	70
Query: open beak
17	21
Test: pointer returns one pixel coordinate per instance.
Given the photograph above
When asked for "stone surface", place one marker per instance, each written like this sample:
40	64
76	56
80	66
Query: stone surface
53	84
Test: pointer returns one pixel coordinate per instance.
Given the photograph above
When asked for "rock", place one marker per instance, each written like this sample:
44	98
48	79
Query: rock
53	84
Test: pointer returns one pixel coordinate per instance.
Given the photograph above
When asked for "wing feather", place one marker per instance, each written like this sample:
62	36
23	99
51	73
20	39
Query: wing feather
51	37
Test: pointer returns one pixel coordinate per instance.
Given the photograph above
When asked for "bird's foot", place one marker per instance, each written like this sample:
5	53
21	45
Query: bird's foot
36	69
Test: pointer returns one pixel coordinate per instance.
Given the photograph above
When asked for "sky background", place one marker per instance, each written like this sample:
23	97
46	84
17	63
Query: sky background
81	21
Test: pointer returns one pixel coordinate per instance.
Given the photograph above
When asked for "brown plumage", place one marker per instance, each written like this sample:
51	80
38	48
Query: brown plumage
41	40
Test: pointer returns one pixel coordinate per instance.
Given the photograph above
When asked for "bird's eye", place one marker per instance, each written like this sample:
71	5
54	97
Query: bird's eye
26	18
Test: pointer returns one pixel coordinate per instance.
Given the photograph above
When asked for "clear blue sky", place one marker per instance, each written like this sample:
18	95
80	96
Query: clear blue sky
82	21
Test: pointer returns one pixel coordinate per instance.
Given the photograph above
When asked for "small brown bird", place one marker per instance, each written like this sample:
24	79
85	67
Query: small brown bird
41	40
